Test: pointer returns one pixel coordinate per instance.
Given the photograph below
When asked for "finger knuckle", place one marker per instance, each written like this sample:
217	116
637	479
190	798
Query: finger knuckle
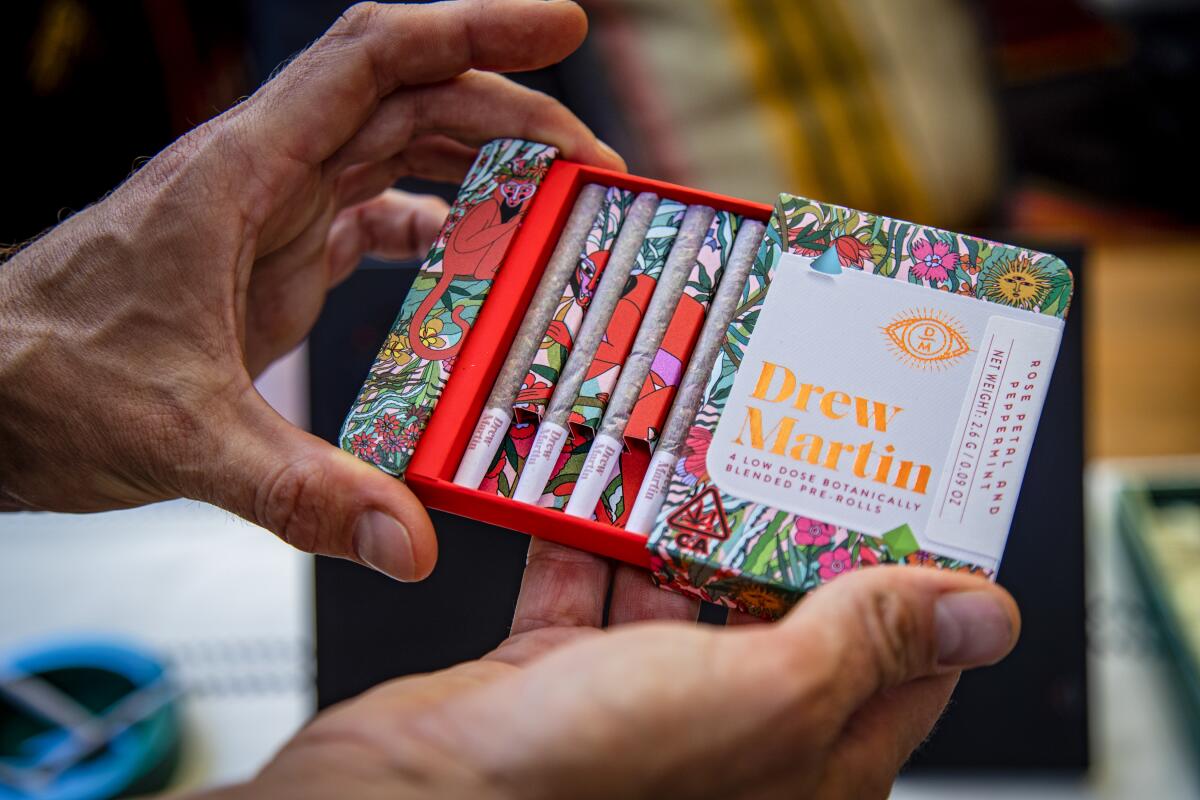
286	504
433	205
543	110
892	631
355	20
558	557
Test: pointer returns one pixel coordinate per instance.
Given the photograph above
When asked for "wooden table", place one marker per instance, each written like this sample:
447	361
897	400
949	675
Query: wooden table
1142	348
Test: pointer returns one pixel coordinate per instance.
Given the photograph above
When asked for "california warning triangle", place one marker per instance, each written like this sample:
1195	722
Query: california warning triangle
703	515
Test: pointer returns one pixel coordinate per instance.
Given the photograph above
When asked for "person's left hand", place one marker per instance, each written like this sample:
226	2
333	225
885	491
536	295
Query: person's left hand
828	702
131	333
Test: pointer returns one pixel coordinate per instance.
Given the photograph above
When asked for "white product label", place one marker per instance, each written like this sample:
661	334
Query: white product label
597	470
485	441
978	489
535	473
874	403
652	493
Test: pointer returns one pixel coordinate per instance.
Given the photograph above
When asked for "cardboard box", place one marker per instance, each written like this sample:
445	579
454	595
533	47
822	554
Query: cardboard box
418	408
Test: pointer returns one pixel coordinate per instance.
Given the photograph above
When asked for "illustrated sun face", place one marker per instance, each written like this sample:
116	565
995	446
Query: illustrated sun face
762	599
1015	283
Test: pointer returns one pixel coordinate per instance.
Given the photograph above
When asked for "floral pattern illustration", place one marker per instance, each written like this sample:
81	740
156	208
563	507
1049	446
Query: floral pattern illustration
627	316
556	345
771	557
501	476
577	296
692	466
666	370
650	412
408	376
932	260
614	347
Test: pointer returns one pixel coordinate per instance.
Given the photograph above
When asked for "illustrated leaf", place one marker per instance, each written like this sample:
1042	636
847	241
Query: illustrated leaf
1059	296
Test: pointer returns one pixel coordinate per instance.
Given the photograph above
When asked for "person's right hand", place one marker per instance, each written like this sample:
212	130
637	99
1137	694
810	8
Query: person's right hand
829	702
130	334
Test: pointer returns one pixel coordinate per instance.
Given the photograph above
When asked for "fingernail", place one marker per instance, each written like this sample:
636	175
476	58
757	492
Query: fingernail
612	154
973	629
383	543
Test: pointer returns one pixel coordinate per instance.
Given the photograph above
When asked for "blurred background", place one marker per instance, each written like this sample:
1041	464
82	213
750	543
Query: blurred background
1061	124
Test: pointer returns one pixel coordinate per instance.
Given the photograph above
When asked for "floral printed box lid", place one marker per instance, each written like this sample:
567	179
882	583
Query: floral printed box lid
761	558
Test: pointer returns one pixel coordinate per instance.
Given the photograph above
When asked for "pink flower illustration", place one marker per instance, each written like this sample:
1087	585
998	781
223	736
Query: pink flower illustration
811	532
522	437
362	444
933	262
835	562
535	391
851	252
695	453
387	423
408	437
391	443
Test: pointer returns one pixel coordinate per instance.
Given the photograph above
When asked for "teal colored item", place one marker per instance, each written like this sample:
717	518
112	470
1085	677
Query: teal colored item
85	719
828	263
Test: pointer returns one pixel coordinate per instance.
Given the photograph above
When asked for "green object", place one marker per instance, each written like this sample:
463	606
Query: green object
85	719
828	263
901	542
1159	524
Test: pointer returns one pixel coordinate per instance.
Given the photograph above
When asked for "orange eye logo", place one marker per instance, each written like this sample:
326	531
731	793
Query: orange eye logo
924	338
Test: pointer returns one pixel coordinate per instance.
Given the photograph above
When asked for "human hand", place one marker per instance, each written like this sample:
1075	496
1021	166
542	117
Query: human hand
130	334
829	702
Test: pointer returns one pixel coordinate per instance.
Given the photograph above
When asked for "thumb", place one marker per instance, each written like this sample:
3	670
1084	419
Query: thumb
887	626
319	498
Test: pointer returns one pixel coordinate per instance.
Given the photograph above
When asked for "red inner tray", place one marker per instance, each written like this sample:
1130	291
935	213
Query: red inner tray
431	471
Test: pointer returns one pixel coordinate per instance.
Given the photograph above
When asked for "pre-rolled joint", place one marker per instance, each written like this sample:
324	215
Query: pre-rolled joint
598	469
482	448
652	492
547	446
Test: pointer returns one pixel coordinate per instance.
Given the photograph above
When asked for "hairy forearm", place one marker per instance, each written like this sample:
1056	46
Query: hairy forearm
22	335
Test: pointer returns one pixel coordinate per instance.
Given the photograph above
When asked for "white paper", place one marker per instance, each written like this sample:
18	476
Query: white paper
849	377
547	446
598	468
977	495
652	492
485	442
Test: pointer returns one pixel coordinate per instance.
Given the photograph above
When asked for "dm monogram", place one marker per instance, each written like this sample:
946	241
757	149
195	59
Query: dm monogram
926	338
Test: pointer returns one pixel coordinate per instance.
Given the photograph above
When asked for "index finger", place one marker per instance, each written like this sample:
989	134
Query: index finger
635	598
314	105
562	588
